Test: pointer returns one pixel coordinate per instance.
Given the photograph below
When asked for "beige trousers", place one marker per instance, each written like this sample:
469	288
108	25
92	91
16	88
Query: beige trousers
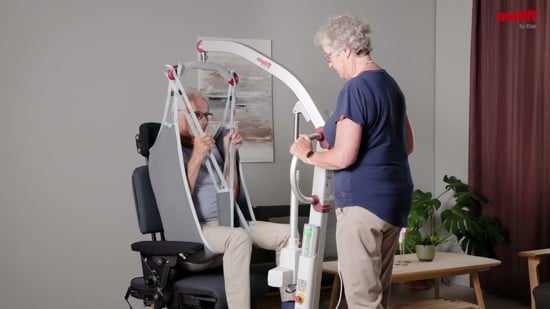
366	247
236	246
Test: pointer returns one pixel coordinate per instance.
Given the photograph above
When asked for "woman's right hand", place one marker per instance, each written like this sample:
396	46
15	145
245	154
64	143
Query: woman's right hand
300	147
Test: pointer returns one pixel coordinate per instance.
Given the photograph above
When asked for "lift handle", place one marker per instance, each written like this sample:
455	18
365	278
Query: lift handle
294	174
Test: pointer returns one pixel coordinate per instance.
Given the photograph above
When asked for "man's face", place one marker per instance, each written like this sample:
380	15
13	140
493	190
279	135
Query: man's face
201	107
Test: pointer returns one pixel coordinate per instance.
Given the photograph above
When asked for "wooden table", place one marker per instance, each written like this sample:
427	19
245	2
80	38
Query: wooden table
445	264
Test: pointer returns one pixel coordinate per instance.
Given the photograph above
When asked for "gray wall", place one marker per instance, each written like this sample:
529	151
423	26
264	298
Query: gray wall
453	29
452	90
76	79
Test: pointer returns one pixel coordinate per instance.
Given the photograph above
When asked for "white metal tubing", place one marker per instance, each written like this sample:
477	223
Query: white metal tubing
294	176
187	108
294	239
207	66
231	155
270	66
294	182
229	111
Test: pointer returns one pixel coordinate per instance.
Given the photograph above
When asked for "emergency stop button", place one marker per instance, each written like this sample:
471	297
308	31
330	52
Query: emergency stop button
299	299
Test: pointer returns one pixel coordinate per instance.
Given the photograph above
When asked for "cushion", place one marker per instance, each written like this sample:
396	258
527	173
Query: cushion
541	293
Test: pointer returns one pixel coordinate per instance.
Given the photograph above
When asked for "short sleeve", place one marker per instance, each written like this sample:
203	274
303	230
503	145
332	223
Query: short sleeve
352	104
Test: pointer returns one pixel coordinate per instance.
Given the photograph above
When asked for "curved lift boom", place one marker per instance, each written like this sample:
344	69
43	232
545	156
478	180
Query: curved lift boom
299	268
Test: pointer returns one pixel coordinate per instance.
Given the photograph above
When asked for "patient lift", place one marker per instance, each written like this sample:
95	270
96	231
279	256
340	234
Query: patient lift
300	268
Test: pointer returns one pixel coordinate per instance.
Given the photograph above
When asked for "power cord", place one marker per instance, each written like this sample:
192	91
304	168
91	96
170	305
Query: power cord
341	287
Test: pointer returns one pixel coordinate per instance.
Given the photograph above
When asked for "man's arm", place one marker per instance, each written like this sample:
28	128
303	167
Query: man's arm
232	138
201	145
235	176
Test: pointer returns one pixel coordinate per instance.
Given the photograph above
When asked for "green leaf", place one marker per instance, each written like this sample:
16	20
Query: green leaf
474	232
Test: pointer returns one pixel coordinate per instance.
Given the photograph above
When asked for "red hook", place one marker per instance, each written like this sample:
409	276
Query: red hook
234	80
199	49
170	75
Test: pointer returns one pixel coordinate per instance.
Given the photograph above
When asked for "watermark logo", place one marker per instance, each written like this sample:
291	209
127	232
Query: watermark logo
526	19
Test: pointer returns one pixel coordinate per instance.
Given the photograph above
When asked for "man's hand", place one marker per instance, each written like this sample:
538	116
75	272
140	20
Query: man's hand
202	145
232	137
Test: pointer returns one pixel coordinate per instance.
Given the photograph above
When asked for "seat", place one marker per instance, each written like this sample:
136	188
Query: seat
165	283
540	292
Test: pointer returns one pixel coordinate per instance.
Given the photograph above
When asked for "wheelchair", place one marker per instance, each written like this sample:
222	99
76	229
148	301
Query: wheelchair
165	283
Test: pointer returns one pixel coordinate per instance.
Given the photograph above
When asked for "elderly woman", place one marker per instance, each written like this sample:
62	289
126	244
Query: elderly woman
369	139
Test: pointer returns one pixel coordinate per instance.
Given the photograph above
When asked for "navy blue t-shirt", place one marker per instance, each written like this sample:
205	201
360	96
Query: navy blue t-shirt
380	179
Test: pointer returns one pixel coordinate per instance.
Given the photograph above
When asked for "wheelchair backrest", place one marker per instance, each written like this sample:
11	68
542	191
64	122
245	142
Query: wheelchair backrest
146	206
169	182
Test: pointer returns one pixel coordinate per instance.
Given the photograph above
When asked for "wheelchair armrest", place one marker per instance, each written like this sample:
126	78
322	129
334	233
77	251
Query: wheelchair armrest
156	248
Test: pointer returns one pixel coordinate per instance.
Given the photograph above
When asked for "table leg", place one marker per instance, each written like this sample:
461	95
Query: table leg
477	288
437	287
335	292
533	264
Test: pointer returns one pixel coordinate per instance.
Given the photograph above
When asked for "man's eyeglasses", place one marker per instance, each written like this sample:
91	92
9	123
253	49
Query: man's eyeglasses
201	115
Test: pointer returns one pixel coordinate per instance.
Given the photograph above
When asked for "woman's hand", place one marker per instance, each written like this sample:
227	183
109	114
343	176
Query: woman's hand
300	147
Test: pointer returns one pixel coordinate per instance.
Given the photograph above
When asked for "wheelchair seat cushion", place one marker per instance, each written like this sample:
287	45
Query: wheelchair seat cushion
541	293
211	285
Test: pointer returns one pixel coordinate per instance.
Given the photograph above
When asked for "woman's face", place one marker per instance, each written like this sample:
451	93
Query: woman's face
335	59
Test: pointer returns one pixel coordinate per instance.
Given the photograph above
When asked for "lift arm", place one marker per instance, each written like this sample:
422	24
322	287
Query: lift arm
309	110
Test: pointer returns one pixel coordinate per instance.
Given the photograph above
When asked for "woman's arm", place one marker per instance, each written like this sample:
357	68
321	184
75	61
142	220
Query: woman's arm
343	154
409	135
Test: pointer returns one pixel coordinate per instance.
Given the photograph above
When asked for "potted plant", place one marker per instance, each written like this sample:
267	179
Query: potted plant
425	245
475	232
422	216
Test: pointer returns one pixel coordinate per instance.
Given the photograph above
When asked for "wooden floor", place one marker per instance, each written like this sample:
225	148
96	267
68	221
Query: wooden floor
401	296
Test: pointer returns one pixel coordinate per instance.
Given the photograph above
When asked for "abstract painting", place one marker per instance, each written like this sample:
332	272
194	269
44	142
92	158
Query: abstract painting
254	99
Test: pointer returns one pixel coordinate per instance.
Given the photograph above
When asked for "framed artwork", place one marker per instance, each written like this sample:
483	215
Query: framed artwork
254	103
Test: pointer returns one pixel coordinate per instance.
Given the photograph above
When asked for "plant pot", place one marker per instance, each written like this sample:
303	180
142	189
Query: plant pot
425	253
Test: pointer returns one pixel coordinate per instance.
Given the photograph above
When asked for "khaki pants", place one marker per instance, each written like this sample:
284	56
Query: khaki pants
366	247
236	246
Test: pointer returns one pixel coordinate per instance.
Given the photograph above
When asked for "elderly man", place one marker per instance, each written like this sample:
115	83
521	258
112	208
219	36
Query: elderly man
234	242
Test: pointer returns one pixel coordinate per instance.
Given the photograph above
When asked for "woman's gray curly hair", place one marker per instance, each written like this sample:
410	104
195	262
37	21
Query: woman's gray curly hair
341	31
